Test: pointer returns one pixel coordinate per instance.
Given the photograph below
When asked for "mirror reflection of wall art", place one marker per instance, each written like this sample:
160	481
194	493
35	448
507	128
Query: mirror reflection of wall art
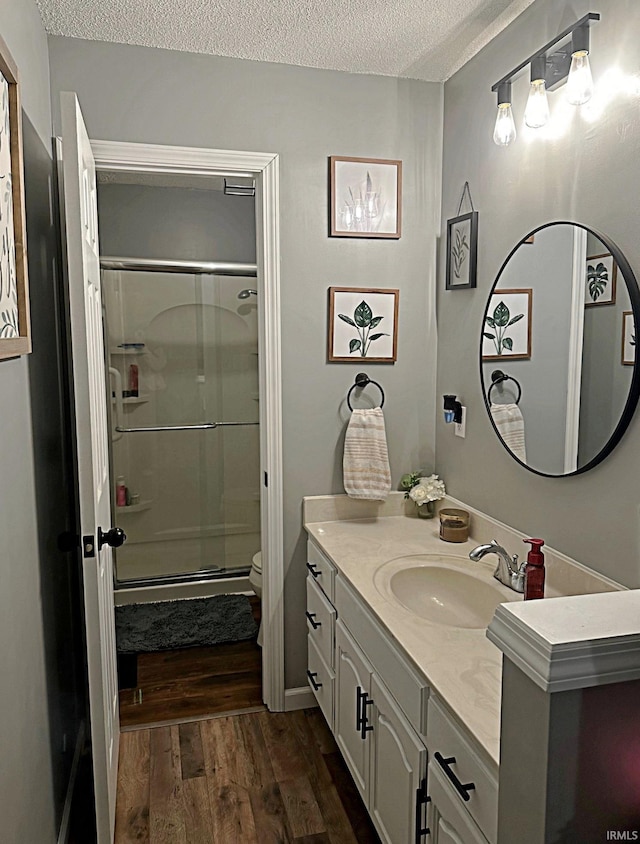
507	326
602	272
462	251
363	324
15	330
366	197
628	339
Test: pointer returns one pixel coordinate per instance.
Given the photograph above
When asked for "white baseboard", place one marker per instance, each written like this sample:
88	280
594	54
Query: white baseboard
63	833
299	698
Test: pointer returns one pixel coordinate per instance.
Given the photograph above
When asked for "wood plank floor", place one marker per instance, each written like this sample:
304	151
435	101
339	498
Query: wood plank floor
259	778
195	682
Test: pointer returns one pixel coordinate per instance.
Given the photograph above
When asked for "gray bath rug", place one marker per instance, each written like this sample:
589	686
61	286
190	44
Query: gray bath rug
166	625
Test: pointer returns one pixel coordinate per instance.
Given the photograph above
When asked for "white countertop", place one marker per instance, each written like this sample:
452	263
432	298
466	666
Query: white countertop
461	666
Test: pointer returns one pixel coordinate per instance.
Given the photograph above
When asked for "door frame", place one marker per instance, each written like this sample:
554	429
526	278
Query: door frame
264	168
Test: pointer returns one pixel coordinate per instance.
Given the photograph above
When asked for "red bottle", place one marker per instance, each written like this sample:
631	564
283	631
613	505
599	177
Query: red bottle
133	380
534	572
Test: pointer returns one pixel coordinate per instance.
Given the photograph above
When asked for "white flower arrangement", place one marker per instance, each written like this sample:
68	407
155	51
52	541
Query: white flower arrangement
422	490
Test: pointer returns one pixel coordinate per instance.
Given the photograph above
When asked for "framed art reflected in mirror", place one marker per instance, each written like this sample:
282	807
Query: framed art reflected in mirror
577	380
15	328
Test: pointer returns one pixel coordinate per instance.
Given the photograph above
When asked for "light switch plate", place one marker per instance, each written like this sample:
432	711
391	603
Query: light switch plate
461	427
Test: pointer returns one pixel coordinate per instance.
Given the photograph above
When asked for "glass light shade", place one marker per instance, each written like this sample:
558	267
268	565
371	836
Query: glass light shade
580	81
537	111
505	130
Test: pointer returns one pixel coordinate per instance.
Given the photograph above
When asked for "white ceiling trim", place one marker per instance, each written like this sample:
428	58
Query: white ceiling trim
418	39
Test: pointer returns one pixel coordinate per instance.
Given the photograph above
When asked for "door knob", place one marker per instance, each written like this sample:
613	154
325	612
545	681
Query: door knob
114	537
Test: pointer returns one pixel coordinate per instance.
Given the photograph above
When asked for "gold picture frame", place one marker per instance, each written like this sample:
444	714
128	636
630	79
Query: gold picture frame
15	322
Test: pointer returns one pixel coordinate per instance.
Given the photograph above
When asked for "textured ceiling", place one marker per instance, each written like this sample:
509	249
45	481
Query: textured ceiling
420	39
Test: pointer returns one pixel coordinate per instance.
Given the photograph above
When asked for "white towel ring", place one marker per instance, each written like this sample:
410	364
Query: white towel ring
362	379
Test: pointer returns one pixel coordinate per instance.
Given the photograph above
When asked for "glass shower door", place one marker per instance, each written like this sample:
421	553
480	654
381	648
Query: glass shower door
183	359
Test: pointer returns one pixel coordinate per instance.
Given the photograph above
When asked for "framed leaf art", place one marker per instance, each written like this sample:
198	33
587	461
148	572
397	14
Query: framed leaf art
363	324
462	251
506	332
15	328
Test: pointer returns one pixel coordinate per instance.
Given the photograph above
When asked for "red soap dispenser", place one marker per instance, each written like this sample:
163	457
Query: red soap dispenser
534	571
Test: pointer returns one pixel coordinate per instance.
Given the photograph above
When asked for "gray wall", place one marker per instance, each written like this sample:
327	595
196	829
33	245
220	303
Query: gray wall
605	381
545	267
41	693
143	221
158	96
589	174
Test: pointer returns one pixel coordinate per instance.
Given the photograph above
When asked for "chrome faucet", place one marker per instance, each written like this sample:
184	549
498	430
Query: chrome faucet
507	570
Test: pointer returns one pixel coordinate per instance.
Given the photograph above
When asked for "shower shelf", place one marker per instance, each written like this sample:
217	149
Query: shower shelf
132	399
127	352
134	508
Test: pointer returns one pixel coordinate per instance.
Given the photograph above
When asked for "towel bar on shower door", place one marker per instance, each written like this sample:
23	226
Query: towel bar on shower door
201	426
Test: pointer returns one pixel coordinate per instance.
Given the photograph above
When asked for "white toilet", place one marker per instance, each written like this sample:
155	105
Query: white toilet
255	579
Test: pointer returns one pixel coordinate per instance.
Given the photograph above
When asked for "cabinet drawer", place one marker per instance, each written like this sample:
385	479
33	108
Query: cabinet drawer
322	681
321	617
445	739
321	569
448	821
409	689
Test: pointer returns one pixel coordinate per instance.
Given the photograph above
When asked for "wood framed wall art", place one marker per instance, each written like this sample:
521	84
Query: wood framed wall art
363	324
15	326
365	197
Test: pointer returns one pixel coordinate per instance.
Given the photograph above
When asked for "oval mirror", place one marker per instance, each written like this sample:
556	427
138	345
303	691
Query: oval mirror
557	357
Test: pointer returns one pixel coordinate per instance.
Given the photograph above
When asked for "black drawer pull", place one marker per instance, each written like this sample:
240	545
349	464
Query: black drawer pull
463	789
312	679
312	620
314	571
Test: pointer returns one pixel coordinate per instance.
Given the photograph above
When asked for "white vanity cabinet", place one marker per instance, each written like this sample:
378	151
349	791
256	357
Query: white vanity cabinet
383	719
377	736
456	770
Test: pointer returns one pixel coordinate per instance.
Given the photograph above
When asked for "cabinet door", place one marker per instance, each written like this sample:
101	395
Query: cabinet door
353	676
449	822
398	764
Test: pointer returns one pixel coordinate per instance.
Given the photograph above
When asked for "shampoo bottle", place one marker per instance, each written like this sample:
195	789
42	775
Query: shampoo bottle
121	492
534	571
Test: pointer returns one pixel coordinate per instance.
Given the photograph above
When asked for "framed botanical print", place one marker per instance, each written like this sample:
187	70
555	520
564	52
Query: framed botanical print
462	251
15	327
602	274
363	324
628	339
507	326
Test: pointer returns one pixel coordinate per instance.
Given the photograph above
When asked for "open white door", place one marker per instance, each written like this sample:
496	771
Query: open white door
83	266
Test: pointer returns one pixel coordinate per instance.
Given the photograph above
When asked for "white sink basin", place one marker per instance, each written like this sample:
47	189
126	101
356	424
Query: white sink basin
443	589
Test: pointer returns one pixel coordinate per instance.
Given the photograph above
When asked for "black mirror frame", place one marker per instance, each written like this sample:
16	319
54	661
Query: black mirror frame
634	390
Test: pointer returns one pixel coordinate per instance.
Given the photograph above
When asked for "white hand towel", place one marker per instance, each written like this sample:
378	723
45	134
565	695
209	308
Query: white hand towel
365	466
510	424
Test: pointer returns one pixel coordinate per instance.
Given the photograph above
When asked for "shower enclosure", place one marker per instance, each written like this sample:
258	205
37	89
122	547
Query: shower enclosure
182	346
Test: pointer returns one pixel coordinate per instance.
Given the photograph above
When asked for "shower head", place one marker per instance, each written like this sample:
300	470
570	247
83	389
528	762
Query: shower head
244	294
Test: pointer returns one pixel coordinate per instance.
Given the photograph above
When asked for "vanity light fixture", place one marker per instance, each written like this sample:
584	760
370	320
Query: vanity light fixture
505	129
580	81
452	409
536	113
569	61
